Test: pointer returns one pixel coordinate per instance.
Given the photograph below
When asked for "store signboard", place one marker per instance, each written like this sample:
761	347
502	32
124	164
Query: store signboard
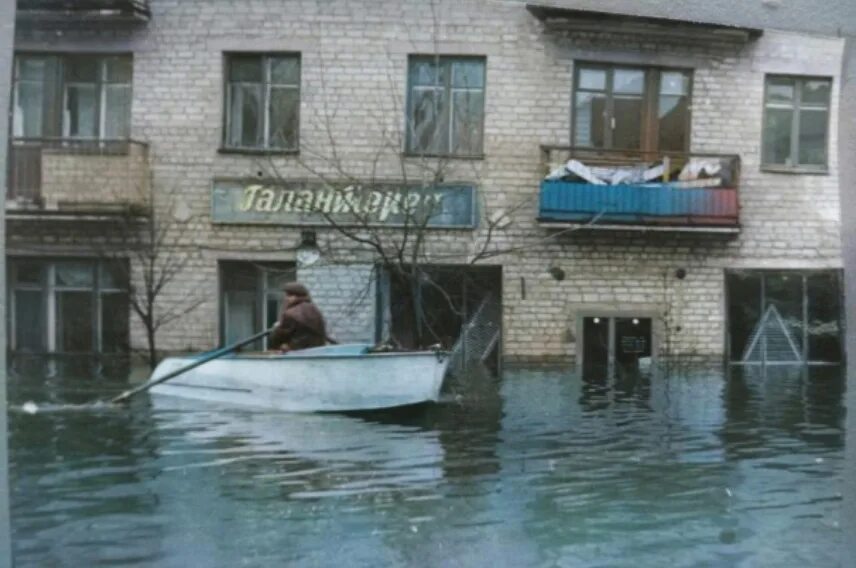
313	203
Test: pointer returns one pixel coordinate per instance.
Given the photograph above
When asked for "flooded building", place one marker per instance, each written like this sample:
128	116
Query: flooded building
604	187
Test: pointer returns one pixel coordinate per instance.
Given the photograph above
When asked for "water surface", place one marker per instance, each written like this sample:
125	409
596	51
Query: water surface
539	468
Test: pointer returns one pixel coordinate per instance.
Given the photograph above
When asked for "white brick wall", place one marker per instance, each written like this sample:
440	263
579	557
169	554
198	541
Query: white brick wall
346	296
354	58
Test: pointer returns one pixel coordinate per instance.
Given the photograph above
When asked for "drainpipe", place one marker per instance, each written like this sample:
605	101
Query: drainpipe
7	37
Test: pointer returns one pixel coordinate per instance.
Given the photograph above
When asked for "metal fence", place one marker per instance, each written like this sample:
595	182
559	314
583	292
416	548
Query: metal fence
479	336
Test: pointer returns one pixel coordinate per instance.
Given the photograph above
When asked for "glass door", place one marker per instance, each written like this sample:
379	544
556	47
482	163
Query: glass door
616	346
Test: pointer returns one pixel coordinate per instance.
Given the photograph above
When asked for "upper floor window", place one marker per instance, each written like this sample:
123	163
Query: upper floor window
445	113
631	108
72	96
796	122
262	102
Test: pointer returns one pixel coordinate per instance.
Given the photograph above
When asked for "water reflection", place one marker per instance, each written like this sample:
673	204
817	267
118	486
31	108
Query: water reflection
363	456
764	403
539	468
76	482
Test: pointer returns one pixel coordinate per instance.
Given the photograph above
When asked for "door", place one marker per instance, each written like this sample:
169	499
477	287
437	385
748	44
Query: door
632	344
595	347
615	346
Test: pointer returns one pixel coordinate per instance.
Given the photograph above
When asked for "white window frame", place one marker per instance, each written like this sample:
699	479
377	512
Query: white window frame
267	86
447	119
49	289
101	87
797	107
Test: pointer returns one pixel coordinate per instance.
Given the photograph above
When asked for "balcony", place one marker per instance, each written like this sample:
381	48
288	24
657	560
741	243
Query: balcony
60	177
658	29
54	14
617	190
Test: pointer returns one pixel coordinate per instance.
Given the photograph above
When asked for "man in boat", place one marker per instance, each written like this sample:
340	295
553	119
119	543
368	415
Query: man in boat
301	324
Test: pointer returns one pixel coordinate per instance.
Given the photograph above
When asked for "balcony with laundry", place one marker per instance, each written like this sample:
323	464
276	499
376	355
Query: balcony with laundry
624	190
629	163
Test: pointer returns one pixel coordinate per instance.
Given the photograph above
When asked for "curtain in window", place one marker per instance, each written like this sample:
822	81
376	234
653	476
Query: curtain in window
30	86
673	111
263	101
80	107
627	108
446	106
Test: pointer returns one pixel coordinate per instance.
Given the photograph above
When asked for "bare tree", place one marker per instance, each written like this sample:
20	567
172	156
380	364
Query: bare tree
389	202
149	257
395	220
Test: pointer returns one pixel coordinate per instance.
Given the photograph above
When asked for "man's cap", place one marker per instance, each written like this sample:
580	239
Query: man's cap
295	289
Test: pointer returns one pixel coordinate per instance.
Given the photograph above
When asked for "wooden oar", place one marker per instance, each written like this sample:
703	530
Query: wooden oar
202	360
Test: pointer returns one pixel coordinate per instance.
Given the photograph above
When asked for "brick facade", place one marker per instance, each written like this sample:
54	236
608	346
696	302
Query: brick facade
354	69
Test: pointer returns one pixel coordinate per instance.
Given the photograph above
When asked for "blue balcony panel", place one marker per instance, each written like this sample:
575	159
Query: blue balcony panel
647	204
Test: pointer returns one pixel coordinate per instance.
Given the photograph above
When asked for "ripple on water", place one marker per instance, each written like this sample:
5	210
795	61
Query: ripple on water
538	469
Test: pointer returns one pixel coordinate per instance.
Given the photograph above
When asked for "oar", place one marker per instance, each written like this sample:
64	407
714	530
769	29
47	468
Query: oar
201	361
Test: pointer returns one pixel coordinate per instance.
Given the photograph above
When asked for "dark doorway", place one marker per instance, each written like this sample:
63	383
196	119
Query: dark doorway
632	342
461	310
595	347
615	346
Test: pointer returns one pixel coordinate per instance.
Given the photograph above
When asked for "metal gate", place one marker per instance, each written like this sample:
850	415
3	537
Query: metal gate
479	336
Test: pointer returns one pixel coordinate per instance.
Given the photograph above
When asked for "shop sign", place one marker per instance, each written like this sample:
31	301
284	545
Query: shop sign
313	203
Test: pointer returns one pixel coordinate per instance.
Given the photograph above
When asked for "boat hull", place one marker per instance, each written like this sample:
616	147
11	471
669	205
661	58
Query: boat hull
336	378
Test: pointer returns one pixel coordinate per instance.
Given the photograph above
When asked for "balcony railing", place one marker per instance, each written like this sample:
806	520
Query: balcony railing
617	189
81	13
78	176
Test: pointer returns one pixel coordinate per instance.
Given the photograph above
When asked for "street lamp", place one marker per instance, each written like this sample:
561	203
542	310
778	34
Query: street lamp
307	251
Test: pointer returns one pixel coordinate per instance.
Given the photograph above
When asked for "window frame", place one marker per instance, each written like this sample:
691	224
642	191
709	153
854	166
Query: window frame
49	311
796	108
261	291
804	275
448	115
649	134
55	94
266	84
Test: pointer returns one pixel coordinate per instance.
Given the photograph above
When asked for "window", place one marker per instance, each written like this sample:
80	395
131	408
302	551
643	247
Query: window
784	317
796	118
68	307
445	115
252	297
262	102
72	96
631	108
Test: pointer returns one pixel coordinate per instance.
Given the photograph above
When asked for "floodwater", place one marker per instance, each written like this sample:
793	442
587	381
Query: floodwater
539	468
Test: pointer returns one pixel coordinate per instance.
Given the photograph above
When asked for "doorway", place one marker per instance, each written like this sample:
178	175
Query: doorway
461	311
615	346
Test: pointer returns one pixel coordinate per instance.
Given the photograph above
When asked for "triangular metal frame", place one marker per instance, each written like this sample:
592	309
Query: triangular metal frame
759	333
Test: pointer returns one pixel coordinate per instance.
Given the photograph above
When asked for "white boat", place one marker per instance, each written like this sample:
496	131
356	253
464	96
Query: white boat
332	378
